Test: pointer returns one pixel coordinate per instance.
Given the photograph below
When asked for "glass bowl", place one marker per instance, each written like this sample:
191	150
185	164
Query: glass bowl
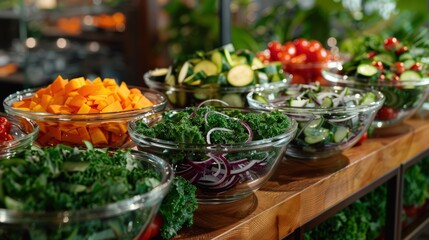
186	96
221	172
101	129
304	73
322	132
403	98
125	219
24	132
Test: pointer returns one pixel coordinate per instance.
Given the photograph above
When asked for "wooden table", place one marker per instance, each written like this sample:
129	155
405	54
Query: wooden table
301	190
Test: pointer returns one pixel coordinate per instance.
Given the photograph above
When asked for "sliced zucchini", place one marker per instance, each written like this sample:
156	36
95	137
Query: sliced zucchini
220	61
258	97
208	67
367	99
367	70
159	74
238	60
233	99
185	71
241	75
327	103
410	75
340	134
256	63
195	79
384	58
298	102
315	135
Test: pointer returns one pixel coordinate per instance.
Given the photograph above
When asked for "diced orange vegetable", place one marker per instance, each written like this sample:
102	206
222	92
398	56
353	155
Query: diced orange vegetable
83	96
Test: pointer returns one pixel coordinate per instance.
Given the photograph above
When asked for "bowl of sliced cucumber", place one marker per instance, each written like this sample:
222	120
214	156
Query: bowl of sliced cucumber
389	66
330	119
223	73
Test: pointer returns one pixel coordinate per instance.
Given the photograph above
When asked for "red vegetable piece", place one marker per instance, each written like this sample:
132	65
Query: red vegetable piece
301	45
301	58
275	47
264	56
398	67
153	230
283	57
371	55
289	48
3	134
5	122
386	113
391	43
378	64
416	66
362	139
402	50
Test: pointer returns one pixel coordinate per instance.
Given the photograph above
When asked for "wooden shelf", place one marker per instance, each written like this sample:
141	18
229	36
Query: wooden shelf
302	190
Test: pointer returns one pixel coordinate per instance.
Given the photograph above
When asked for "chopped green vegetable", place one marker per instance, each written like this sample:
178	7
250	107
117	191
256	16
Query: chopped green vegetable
178	207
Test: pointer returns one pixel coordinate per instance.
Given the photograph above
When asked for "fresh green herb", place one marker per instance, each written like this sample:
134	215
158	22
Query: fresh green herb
415	186
178	207
190	127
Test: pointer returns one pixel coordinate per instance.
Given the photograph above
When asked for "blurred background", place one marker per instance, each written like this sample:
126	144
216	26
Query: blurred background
122	39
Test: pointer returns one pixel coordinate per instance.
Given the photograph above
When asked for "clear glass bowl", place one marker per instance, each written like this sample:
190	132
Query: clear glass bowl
322	122
71	129
218	178
186	96
403	98
24	132
125	219
304	73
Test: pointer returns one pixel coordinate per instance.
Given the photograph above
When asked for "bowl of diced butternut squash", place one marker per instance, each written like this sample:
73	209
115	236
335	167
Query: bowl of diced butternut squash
71	111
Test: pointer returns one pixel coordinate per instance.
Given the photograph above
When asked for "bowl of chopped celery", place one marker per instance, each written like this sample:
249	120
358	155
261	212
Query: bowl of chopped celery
226	152
395	68
223	73
330	118
70	111
16	133
64	192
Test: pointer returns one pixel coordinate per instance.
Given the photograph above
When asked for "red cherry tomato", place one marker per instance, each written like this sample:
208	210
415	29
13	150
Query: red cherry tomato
391	43
275	47
301	58
153	229
301	45
378	65
264	56
386	113
362	139
322	55
381	77
289	48
314	45
283	57
5	122
402	50
416	66
3	134
371	55
398	67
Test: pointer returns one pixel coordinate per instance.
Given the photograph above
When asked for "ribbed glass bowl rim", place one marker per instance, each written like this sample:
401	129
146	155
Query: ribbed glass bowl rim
136	202
142	140
192	89
19	142
309	65
44	116
331	75
317	110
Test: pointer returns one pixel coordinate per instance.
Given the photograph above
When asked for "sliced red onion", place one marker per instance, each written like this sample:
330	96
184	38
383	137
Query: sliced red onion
207	101
336	120
215	129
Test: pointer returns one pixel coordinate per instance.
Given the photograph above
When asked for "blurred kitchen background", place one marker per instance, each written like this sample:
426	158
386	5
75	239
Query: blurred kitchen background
122	39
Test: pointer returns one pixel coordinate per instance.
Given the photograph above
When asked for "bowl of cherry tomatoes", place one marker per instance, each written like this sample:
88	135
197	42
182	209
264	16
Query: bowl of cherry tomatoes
303	59
16	133
391	67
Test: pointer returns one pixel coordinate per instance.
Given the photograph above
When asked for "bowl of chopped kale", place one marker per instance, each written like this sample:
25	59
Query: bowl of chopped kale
62	192
330	119
226	152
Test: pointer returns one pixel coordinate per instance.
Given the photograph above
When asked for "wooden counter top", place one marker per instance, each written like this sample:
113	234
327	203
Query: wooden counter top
301	190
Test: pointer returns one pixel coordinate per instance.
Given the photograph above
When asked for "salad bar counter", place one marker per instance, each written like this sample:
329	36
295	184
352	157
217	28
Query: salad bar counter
303	193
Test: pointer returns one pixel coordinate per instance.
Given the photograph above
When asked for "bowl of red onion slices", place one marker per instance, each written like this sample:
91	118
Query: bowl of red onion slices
226	152
330	119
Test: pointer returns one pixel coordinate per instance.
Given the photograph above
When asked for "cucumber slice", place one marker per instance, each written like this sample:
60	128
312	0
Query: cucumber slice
367	99
327	103
367	70
256	63
185	71
238	60
241	75
315	135
260	98
384	58
410	75
219	60
159	74
195	79
233	99
298	102
216	79
340	134
208	67
405	56
409	63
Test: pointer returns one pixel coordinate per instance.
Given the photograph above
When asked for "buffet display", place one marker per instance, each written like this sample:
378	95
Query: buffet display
211	129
